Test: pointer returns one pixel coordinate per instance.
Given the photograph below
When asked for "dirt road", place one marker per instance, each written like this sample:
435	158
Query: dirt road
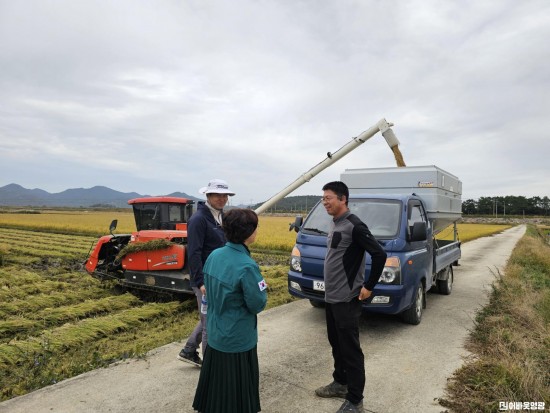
407	366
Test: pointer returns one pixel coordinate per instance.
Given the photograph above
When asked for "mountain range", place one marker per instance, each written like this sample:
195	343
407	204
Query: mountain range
16	195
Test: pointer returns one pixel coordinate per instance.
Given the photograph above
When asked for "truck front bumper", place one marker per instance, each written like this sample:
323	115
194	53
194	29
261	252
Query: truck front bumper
388	299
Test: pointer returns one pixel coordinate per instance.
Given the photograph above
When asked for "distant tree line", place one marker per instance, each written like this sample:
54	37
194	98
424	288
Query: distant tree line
485	205
293	204
507	205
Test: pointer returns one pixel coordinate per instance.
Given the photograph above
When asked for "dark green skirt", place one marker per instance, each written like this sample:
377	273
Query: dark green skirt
228	383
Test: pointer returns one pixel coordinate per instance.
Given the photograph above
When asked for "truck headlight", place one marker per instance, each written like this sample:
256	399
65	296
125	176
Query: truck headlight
296	260
392	271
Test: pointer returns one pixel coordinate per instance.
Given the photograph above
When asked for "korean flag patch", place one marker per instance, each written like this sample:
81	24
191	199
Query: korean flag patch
263	285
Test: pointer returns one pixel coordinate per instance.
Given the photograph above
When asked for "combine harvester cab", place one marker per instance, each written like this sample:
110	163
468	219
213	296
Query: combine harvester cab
152	258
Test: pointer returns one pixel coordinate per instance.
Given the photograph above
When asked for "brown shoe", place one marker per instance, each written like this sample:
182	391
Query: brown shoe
333	389
350	407
191	357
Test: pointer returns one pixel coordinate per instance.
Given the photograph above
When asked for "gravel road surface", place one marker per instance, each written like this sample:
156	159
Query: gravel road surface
407	366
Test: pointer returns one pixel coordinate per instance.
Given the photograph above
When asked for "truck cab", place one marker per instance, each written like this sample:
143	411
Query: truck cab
404	226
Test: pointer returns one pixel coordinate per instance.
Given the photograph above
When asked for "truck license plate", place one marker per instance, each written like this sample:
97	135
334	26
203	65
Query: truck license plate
319	285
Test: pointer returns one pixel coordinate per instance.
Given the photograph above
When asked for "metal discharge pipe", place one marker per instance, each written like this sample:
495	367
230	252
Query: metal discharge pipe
382	126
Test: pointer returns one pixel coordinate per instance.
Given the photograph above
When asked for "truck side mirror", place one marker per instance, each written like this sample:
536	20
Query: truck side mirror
418	232
297	224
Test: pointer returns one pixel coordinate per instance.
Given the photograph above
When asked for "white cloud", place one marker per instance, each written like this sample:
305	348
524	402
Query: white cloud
161	97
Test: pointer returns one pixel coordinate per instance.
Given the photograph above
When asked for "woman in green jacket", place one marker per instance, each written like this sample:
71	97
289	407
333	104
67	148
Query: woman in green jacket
236	293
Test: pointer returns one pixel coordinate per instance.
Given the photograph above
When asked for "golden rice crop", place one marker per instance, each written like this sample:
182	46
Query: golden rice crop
24	249
46	242
34	306
44	287
15	326
273	234
469	232
74	335
9	279
78	222
276	277
87	308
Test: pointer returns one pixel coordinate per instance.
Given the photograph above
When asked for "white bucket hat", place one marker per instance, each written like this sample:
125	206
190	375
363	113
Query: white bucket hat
216	186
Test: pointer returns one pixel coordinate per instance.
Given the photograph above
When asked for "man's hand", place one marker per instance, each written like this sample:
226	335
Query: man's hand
203	289
364	294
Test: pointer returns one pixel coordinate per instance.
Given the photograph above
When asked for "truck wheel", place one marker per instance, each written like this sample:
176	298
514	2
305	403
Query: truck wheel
445	287
317	304
413	315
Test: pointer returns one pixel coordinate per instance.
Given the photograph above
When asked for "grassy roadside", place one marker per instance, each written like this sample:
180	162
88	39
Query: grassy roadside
510	343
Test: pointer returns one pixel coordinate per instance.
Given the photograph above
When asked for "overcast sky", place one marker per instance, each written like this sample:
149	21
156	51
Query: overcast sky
161	96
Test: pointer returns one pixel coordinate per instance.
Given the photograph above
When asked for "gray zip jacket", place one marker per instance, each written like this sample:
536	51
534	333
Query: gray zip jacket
344	270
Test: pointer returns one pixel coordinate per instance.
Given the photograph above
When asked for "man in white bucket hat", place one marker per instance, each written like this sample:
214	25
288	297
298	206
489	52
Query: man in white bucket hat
204	235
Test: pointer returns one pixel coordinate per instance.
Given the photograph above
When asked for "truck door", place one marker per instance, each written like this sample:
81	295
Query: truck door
421	258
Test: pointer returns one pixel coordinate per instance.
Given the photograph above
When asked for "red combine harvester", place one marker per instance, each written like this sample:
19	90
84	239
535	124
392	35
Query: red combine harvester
154	257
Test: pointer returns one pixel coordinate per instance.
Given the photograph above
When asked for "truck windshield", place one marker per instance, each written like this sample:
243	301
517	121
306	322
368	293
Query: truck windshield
382	216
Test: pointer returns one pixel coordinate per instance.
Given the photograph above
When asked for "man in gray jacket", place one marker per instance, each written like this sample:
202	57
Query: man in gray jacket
345	288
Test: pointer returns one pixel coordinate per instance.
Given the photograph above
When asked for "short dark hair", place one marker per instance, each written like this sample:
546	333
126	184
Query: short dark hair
239	224
339	188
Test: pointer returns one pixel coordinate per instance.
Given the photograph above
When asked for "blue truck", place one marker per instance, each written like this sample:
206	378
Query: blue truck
404	208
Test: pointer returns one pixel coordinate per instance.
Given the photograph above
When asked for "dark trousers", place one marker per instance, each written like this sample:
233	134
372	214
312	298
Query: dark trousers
343	336
199	334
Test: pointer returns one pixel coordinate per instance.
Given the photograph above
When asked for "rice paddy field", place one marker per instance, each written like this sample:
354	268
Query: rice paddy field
469	232
273	233
56	321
